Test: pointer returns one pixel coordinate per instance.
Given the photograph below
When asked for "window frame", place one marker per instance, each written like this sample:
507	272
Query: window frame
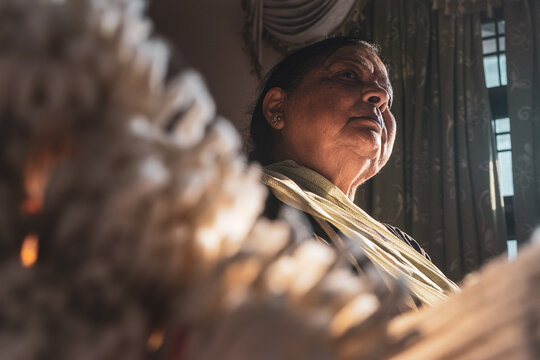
499	106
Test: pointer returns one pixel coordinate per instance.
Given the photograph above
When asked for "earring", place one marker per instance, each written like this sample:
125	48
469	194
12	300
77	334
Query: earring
276	119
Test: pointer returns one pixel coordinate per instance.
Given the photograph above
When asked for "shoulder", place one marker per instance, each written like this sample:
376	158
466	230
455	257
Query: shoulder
407	239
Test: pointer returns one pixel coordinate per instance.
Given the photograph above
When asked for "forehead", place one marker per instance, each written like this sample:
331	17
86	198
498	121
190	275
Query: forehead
365	57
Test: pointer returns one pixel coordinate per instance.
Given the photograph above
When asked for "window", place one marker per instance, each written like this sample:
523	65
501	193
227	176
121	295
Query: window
512	249
493	48
501	127
494	52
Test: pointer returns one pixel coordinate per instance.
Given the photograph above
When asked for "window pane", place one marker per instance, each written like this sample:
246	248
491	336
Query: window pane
503	142
489	46
488	29
502	44
512	249
500	27
505	173
502	59
491	71
502	125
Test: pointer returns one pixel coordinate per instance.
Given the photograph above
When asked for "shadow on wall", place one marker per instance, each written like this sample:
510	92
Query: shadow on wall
208	35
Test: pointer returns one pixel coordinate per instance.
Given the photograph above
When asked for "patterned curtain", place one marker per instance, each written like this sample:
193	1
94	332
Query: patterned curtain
523	68
460	7
440	184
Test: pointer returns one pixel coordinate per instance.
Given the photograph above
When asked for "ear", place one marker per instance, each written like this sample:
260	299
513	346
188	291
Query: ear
273	105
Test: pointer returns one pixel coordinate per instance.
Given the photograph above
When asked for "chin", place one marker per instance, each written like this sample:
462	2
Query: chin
368	162
369	150
367	142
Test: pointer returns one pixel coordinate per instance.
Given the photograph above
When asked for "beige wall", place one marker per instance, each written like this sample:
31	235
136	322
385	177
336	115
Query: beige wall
208	34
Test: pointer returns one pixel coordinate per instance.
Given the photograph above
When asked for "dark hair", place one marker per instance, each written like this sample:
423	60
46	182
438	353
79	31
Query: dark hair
286	75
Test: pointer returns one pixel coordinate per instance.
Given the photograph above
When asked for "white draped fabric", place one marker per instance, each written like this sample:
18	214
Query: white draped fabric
292	23
300	21
295	23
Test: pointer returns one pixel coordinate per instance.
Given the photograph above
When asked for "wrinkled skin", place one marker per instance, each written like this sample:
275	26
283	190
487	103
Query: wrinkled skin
337	121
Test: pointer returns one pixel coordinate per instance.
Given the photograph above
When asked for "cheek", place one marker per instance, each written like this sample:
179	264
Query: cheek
315	115
316	108
389	139
312	115
390	122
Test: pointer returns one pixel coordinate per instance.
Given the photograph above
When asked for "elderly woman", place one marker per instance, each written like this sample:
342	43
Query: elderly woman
322	126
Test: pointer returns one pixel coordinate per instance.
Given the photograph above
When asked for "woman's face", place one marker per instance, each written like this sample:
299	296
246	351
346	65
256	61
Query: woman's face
337	121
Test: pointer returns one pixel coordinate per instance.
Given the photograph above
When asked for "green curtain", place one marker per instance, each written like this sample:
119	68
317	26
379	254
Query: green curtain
440	183
523	69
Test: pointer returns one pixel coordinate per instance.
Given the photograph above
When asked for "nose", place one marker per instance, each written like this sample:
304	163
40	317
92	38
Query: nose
376	97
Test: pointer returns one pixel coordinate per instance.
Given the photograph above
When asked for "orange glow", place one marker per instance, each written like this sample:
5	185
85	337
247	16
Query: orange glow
155	340
29	250
32	206
35	180
38	167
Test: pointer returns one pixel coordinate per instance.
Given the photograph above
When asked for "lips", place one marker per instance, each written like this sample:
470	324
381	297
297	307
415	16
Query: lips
368	117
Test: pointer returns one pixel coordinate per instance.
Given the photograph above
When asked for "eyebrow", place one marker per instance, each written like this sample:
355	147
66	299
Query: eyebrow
386	83
360	61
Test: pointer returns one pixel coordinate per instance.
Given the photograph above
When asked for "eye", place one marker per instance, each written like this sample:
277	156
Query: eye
348	74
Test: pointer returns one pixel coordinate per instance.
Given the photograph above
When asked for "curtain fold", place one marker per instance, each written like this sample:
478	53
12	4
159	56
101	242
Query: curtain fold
440	183
288	24
460	7
523	69
291	23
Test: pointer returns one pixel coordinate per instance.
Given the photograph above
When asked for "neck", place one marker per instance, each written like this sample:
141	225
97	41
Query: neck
345	172
347	183
346	176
